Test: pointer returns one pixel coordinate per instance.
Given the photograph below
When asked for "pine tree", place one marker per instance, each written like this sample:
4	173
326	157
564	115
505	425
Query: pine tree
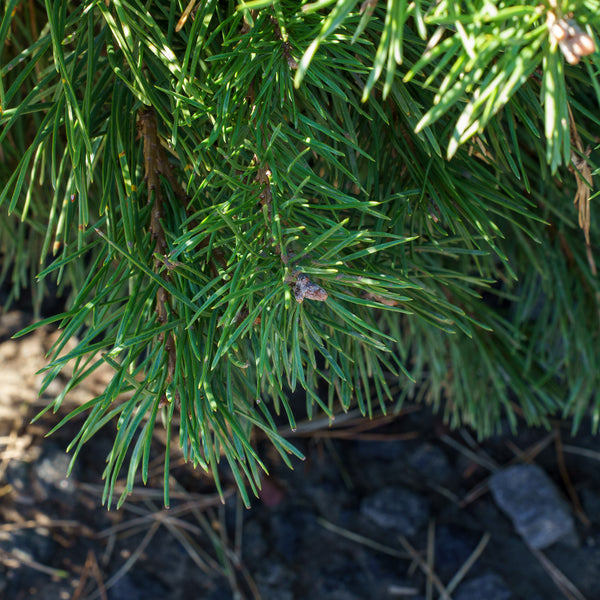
371	202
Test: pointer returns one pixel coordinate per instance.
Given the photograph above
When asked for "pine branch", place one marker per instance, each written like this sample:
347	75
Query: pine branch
156	164
250	200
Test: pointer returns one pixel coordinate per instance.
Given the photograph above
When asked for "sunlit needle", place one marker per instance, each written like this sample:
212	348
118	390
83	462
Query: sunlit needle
185	15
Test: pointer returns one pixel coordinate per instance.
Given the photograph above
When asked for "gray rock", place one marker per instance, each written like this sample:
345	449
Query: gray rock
489	587
397	509
528	496
431	462
50	473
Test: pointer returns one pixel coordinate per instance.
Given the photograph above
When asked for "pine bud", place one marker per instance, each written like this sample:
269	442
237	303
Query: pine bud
572	40
305	288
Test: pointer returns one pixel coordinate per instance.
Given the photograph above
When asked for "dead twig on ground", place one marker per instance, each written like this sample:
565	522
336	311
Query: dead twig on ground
564	473
360	539
476	456
48	524
430	560
439	586
128	563
90	566
560	580
18	558
593	454
464	569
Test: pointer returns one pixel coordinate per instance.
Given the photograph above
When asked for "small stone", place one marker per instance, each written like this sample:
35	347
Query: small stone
528	496
489	587
431	462
397	509
50	471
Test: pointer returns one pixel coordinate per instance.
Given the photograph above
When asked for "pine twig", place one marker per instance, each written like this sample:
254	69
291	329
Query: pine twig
157	164
91	565
439	586
558	577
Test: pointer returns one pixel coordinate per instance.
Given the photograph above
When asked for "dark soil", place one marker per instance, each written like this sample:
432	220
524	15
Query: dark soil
396	507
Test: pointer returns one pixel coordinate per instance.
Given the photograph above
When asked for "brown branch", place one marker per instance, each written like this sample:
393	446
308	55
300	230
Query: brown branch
286	47
156	164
